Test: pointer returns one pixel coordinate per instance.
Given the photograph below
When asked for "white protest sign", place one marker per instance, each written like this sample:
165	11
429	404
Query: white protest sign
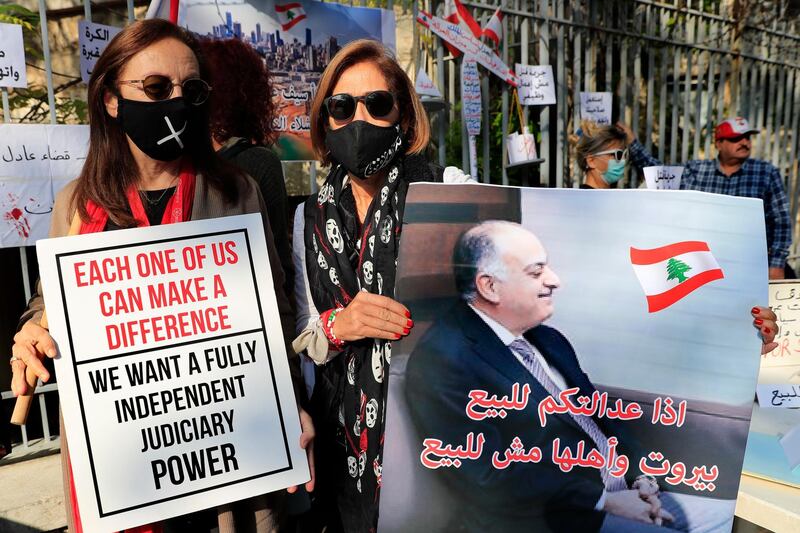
471	96
596	107
521	148
424	85
12	56
172	370
471	107
784	299
663	177
536	84
36	161
469	45
93	39
786	396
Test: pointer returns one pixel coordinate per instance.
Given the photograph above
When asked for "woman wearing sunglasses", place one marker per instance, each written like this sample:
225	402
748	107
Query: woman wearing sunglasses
602	155
369	125
150	162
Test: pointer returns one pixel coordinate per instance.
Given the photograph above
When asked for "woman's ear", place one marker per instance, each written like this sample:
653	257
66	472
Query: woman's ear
590	163
111	102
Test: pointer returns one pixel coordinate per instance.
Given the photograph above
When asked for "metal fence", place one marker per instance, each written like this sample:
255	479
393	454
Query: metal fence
675	68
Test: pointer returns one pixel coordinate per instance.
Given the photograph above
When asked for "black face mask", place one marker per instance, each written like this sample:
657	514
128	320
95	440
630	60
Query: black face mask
363	148
159	129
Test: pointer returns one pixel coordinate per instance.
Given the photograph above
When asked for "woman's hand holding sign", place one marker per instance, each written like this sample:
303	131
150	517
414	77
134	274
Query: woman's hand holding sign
764	320
31	344
307	443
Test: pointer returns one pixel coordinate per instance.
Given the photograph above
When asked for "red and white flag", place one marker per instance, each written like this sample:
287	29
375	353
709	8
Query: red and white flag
289	14
671	272
494	28
456	13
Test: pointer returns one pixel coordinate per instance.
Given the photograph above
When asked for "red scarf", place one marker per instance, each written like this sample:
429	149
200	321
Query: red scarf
179	209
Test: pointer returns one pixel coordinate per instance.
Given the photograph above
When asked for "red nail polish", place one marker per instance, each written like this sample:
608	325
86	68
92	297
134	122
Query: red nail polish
405	331
408	314
766	330
758	321
410	323
755	310
397	336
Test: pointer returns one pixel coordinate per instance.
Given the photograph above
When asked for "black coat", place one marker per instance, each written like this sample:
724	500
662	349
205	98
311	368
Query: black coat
460	353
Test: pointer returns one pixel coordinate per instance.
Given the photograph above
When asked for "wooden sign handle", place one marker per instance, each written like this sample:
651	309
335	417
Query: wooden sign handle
24	401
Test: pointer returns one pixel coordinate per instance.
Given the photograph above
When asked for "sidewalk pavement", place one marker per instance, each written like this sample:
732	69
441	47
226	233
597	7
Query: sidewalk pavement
32	496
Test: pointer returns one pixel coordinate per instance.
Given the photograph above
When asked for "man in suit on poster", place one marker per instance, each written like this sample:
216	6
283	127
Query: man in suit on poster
492	338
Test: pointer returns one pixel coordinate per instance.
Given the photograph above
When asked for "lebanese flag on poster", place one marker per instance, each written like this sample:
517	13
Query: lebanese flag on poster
672	272
289	14
494	28
456	13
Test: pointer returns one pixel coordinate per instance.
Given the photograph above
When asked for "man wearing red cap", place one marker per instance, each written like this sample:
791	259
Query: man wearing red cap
733	172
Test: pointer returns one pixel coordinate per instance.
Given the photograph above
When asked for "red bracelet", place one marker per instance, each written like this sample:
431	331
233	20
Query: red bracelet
328	318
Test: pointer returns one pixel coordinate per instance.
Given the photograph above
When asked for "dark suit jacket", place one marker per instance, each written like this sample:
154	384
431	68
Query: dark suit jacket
459	353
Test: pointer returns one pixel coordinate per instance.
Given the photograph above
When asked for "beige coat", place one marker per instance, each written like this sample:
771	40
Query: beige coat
261	514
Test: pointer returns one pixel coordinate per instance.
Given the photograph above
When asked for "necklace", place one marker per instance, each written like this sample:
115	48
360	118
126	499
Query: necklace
146	196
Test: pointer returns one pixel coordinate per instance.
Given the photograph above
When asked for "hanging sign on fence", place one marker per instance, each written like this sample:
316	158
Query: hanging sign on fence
536	84
663	177
596	107
36	161
172	369
93	39
453	34
12	56
425	86
471	107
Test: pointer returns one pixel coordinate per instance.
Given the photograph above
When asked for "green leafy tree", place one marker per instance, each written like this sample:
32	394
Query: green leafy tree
676	270
32	100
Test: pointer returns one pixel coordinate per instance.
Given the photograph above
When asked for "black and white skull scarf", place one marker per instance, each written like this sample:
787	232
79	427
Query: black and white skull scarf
342	258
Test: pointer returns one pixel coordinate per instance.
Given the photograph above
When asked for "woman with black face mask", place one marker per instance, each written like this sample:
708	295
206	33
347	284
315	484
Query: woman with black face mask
150	162
369	125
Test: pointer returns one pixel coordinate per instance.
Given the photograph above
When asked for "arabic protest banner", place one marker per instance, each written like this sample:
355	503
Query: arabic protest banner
455	35
596	107
12	56
536	84
471	106
297	40
565	345
36	161
92	40
772	448
172	371
663	177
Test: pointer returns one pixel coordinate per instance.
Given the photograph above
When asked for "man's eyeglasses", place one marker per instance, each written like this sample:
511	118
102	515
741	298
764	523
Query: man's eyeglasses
158	87
343	106
619	154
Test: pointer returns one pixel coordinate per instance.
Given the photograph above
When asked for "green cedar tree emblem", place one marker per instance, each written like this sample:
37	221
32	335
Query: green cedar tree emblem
676	270
289	15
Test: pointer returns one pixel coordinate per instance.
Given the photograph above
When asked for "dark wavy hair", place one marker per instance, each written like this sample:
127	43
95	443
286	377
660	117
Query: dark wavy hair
241	99
110	168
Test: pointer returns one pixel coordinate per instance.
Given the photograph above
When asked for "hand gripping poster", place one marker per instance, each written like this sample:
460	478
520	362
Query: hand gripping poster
296	38
172	369
580	360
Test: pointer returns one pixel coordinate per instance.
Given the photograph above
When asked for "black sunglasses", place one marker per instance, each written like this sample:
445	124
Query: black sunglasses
343	106
158	87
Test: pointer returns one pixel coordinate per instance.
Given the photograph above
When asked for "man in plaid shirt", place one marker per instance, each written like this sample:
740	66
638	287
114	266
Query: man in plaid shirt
733	172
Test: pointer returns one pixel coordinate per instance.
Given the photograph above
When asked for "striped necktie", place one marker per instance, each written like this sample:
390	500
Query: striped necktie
589	426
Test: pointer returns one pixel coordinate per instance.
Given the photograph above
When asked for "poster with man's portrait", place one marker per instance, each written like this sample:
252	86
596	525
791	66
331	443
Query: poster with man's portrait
581	360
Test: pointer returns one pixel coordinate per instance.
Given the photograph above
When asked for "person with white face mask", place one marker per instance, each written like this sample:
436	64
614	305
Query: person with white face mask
602	155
